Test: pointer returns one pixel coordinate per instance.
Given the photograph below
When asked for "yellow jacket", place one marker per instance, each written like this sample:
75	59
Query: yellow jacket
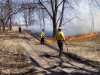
42	35
60	36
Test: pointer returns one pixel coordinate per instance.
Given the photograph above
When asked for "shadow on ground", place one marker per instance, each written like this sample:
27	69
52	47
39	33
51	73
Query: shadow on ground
71	58
77	69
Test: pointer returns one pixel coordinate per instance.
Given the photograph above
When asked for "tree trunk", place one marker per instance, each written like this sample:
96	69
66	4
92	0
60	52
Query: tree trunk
0	27
54	30
10	24
10	27
54	27
3	28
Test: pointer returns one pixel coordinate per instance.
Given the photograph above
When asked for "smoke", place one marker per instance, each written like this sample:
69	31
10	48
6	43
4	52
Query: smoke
82	21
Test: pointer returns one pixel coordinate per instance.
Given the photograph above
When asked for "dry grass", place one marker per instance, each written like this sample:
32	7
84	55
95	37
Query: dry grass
13	46
84	46
12	53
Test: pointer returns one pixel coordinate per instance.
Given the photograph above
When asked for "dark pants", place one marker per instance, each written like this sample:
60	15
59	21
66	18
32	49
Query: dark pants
42	41
60	45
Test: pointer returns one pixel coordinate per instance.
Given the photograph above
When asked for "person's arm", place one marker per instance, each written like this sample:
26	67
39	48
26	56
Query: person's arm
40	34
63	36
45	36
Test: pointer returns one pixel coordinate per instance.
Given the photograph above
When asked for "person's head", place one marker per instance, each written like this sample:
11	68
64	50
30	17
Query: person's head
59	29
43	30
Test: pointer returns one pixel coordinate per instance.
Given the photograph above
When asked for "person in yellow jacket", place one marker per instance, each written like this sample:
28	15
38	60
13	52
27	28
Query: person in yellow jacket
60	40
42	35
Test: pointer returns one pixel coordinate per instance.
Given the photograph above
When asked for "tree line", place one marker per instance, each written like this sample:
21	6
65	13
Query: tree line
55	10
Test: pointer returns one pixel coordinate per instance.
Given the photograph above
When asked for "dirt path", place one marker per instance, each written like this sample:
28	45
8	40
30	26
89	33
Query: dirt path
76	59
44	60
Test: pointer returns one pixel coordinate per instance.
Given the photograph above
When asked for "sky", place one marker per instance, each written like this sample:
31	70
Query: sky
82	23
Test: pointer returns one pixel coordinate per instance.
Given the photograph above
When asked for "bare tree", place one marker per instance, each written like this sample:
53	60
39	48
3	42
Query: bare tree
55	15
6	9
7	12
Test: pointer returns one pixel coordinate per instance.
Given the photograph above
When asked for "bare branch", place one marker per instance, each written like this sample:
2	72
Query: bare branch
62	13
52	7
69	20
97	3
45	9
59	3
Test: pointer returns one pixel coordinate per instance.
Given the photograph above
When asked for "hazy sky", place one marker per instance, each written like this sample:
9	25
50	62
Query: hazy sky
83	21
84	24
